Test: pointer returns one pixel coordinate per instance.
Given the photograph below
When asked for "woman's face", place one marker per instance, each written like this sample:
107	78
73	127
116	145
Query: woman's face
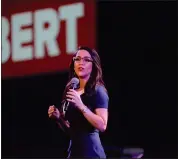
83	64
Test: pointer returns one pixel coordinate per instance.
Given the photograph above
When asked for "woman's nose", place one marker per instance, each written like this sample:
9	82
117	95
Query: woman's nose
81	61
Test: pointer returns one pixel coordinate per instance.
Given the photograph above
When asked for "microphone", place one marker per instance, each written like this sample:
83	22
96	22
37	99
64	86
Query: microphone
73	84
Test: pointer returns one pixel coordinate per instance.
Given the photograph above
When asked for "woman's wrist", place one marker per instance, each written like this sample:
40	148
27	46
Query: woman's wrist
84	109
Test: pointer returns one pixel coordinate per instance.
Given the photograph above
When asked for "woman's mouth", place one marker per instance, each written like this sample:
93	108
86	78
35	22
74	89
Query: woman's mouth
80	68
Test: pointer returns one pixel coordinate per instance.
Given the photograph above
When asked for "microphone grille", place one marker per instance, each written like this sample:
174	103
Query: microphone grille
75	81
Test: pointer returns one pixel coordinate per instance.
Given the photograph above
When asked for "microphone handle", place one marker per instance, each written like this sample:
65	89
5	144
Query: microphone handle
66	105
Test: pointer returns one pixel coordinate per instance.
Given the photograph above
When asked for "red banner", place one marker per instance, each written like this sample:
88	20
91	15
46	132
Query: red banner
41	36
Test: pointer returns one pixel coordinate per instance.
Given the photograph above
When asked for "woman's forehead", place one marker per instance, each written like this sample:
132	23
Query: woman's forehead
83	53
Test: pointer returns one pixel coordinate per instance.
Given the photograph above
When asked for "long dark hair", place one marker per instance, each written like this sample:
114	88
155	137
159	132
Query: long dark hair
96	76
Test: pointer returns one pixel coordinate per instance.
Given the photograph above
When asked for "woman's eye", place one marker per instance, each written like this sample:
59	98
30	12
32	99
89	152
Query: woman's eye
87	60
77	59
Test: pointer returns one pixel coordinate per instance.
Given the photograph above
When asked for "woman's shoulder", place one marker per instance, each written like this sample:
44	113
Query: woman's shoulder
99	88
101	96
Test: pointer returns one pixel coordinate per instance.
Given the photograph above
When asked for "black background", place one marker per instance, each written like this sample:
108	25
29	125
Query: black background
137	45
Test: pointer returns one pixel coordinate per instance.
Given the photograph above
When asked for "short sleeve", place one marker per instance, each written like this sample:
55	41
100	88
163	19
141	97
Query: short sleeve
102	98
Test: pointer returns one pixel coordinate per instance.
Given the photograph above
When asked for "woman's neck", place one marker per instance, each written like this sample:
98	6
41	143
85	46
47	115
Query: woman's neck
83	82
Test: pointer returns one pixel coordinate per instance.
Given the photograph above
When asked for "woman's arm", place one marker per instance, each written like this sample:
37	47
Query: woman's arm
55	114
63	124
98	119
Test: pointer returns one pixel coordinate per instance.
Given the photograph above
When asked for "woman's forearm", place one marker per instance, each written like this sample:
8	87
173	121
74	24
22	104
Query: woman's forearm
94	119
63	124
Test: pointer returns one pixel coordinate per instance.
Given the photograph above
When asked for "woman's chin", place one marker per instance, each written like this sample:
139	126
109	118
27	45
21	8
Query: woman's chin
82	76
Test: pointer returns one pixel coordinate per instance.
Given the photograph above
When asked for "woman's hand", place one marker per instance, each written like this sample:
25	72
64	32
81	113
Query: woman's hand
53	112
74	97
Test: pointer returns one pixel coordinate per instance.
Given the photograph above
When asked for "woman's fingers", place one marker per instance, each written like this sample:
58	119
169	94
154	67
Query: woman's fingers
70	96
51	110
70	100
71	93
52	113
71	90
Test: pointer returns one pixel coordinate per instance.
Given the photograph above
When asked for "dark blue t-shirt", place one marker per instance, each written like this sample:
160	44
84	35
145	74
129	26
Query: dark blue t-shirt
78	123
85	141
